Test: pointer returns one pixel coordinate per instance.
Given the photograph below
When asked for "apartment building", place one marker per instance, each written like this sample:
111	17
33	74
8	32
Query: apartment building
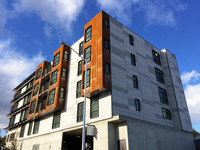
135	98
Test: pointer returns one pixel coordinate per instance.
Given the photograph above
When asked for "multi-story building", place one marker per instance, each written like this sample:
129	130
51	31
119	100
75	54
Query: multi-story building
135	98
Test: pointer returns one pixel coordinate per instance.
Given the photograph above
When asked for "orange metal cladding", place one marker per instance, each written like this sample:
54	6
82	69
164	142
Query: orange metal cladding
99	81
60	83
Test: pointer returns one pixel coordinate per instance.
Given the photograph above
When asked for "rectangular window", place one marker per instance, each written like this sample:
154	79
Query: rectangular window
51	97
36	126
78	89
35	90
166	113
79	67
94	107
27	99
32	107
25	114
64	72
81	48
54	77
22	131
12	136
135	82
131	40
87	54
80	112
163	95
62	92
30	128
159	75
88	34
65	55
106	23
56	120
88	79
156	57
133	62
107	44
137	104
56	59
107	68
12	120
38	73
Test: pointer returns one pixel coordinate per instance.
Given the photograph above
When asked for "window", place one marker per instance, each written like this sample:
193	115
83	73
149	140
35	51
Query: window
56	59
166	113
133	60
88	79
12	120
56	120
163	95
51	97
107	68
137	104
159	75
62	92
12	136
131	40
36	126
35	90
135	82
78	89
64	72
65	55
79	67
27	99
81	48
38	73
107	44
87	54
24	114
106	23
80	112
54	77
156	57
30	128
32	107
94	107
88	33
22	131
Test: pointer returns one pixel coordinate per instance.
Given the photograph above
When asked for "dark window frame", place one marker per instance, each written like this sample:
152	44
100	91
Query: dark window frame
22	131
78	89
80	109
88	81
36	126
65	55
163	95
62	93
94	101
86	54
53	78
64	72
131	41
135	82
133	59
88	38
56	123
38	73
32	107
56	59
166	113
107	68
159	75
51	101
107	44
137	105
34	89
156	57
106	23
79	72
30	128
81	48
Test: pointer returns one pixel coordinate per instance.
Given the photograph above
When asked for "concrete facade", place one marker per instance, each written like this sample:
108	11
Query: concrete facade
118	125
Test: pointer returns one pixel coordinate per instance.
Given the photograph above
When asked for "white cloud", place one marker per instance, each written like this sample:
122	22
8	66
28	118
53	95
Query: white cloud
188	76
155	11
15	67
192	87
56	13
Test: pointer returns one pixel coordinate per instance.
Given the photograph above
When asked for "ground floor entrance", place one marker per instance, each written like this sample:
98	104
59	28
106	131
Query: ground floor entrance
72	140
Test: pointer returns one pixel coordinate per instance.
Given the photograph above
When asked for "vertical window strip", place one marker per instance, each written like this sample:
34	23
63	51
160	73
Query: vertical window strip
30	128
80	112
35	89
54	77
135	82
87	54
137	104
81	48
61	92
88	33
22	131
51	97
64	72
65	55
88	79
79	67
56	120
78	89
36	126
94	107
56	59
38	73
133	62
32	107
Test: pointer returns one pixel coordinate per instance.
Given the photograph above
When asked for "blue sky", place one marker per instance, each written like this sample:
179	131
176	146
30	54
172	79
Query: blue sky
30	32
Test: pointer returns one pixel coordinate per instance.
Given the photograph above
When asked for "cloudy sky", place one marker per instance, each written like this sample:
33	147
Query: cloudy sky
30	32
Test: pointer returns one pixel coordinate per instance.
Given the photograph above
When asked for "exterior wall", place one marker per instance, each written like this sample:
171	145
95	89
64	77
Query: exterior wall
123	92
149	136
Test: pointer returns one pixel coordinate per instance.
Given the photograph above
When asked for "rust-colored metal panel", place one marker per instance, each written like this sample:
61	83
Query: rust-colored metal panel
99	81
60	83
